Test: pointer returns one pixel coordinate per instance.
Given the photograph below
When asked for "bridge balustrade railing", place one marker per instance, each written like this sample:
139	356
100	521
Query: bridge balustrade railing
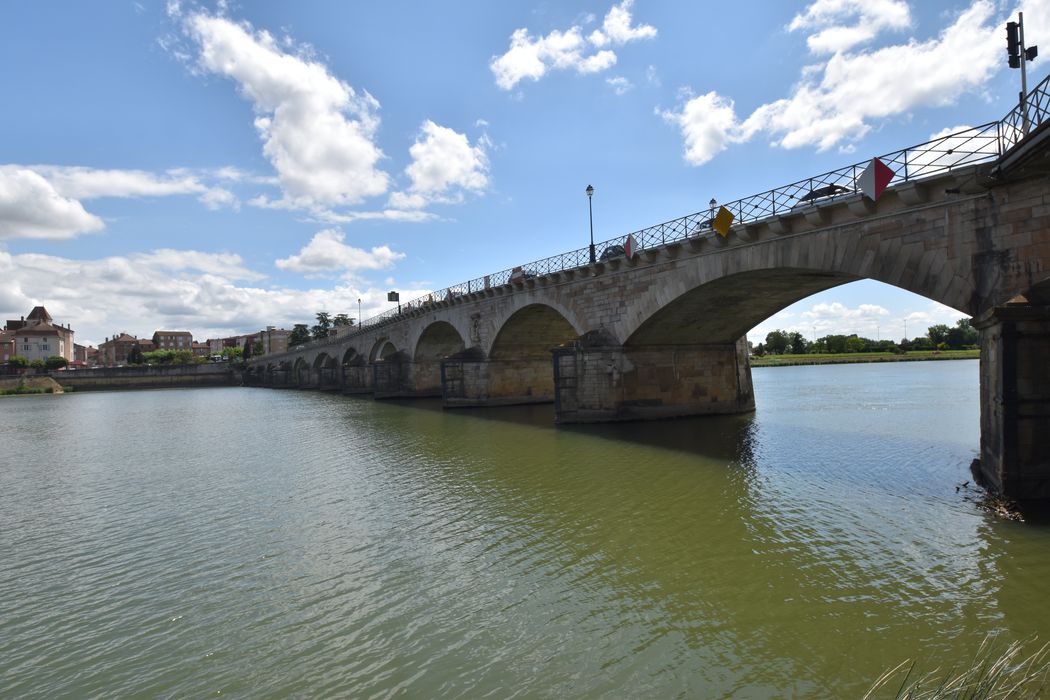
937	156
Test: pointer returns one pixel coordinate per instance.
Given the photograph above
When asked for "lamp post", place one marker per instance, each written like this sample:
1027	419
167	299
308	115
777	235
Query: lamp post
359	313
590	216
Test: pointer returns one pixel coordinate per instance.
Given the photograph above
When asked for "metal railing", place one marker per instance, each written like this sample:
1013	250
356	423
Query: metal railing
975	145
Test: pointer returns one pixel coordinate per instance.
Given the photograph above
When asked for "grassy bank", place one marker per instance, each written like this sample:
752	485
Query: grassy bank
854	357
23	386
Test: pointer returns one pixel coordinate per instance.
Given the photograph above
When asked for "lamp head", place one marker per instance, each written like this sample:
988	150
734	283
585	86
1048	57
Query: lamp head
590	190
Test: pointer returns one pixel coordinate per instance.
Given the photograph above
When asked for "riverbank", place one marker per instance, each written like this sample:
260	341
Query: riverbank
28	386
149	377
860	357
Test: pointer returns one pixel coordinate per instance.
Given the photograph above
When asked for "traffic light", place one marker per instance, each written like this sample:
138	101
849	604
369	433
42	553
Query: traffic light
1013	45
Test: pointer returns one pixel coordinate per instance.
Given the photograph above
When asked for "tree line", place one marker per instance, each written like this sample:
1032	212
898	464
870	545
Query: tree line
938	337
301	334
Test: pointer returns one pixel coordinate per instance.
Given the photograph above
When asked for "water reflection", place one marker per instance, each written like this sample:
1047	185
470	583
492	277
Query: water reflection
327	545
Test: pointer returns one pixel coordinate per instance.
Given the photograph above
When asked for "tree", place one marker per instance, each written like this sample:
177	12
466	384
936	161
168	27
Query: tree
232	354
17	362
938	334
183	357
776	342
962	335
342	320
920	343
324	322
797	342
257	348
856	344
37	365
246	351
55	362
299	335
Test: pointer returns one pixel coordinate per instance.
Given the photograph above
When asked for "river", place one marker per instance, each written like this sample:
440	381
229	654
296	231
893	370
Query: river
264	543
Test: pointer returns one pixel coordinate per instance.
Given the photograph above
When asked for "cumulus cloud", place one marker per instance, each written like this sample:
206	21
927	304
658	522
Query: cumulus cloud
619	84
836	102
317	131
79	182
326	254
866	320
31	207
842	24
708	124
43	201
533	57
444	165
211	295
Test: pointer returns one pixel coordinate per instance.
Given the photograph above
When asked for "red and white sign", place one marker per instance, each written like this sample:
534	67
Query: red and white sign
629	247
874	179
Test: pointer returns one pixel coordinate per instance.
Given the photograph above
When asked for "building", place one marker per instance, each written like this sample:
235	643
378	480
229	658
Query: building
37	337
274	340
7	346
199	349
173	340
81	353
115	351
217	345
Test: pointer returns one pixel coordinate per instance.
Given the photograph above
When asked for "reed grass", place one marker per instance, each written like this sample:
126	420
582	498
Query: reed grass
992	674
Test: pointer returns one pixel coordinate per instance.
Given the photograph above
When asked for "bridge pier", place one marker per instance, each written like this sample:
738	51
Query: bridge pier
397	377
471	379
357	377
1015	401
597	382
327	379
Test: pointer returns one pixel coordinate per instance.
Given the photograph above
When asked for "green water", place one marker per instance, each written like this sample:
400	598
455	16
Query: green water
261	543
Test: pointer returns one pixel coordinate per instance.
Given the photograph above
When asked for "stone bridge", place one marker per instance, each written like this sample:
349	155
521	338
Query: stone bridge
663	334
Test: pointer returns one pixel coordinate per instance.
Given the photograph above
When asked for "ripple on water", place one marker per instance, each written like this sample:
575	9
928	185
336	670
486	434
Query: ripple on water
280	543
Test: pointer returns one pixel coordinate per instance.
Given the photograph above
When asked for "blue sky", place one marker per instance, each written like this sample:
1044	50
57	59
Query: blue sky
223	167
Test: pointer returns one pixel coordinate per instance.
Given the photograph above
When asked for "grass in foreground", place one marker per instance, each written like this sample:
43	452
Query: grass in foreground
1009	674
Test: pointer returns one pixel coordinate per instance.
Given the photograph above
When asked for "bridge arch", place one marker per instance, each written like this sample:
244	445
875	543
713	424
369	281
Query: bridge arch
724	309
381	350
437	341
301	372
531	331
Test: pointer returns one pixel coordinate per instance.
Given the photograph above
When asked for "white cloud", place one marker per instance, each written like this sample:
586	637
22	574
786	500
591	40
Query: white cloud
619	84
531	58
326	254
444	165
317	131
91	183
866	17
708	125
837	101
217	198
211	295
866	320
30	207
616	28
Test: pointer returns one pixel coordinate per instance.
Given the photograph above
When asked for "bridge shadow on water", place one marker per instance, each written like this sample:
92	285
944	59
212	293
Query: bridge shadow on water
727	438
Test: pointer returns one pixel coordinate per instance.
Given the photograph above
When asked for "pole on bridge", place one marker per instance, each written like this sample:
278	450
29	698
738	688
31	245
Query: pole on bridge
590	216
1017	57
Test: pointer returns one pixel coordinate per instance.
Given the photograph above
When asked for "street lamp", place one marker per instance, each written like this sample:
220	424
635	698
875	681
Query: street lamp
358	313
590	216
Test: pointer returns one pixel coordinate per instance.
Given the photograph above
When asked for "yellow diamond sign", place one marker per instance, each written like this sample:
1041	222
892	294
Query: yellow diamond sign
723	220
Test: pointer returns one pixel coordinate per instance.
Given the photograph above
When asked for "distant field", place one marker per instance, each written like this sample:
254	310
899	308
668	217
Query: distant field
853	357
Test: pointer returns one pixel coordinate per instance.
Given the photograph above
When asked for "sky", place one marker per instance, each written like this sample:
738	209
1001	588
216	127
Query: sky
220	167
